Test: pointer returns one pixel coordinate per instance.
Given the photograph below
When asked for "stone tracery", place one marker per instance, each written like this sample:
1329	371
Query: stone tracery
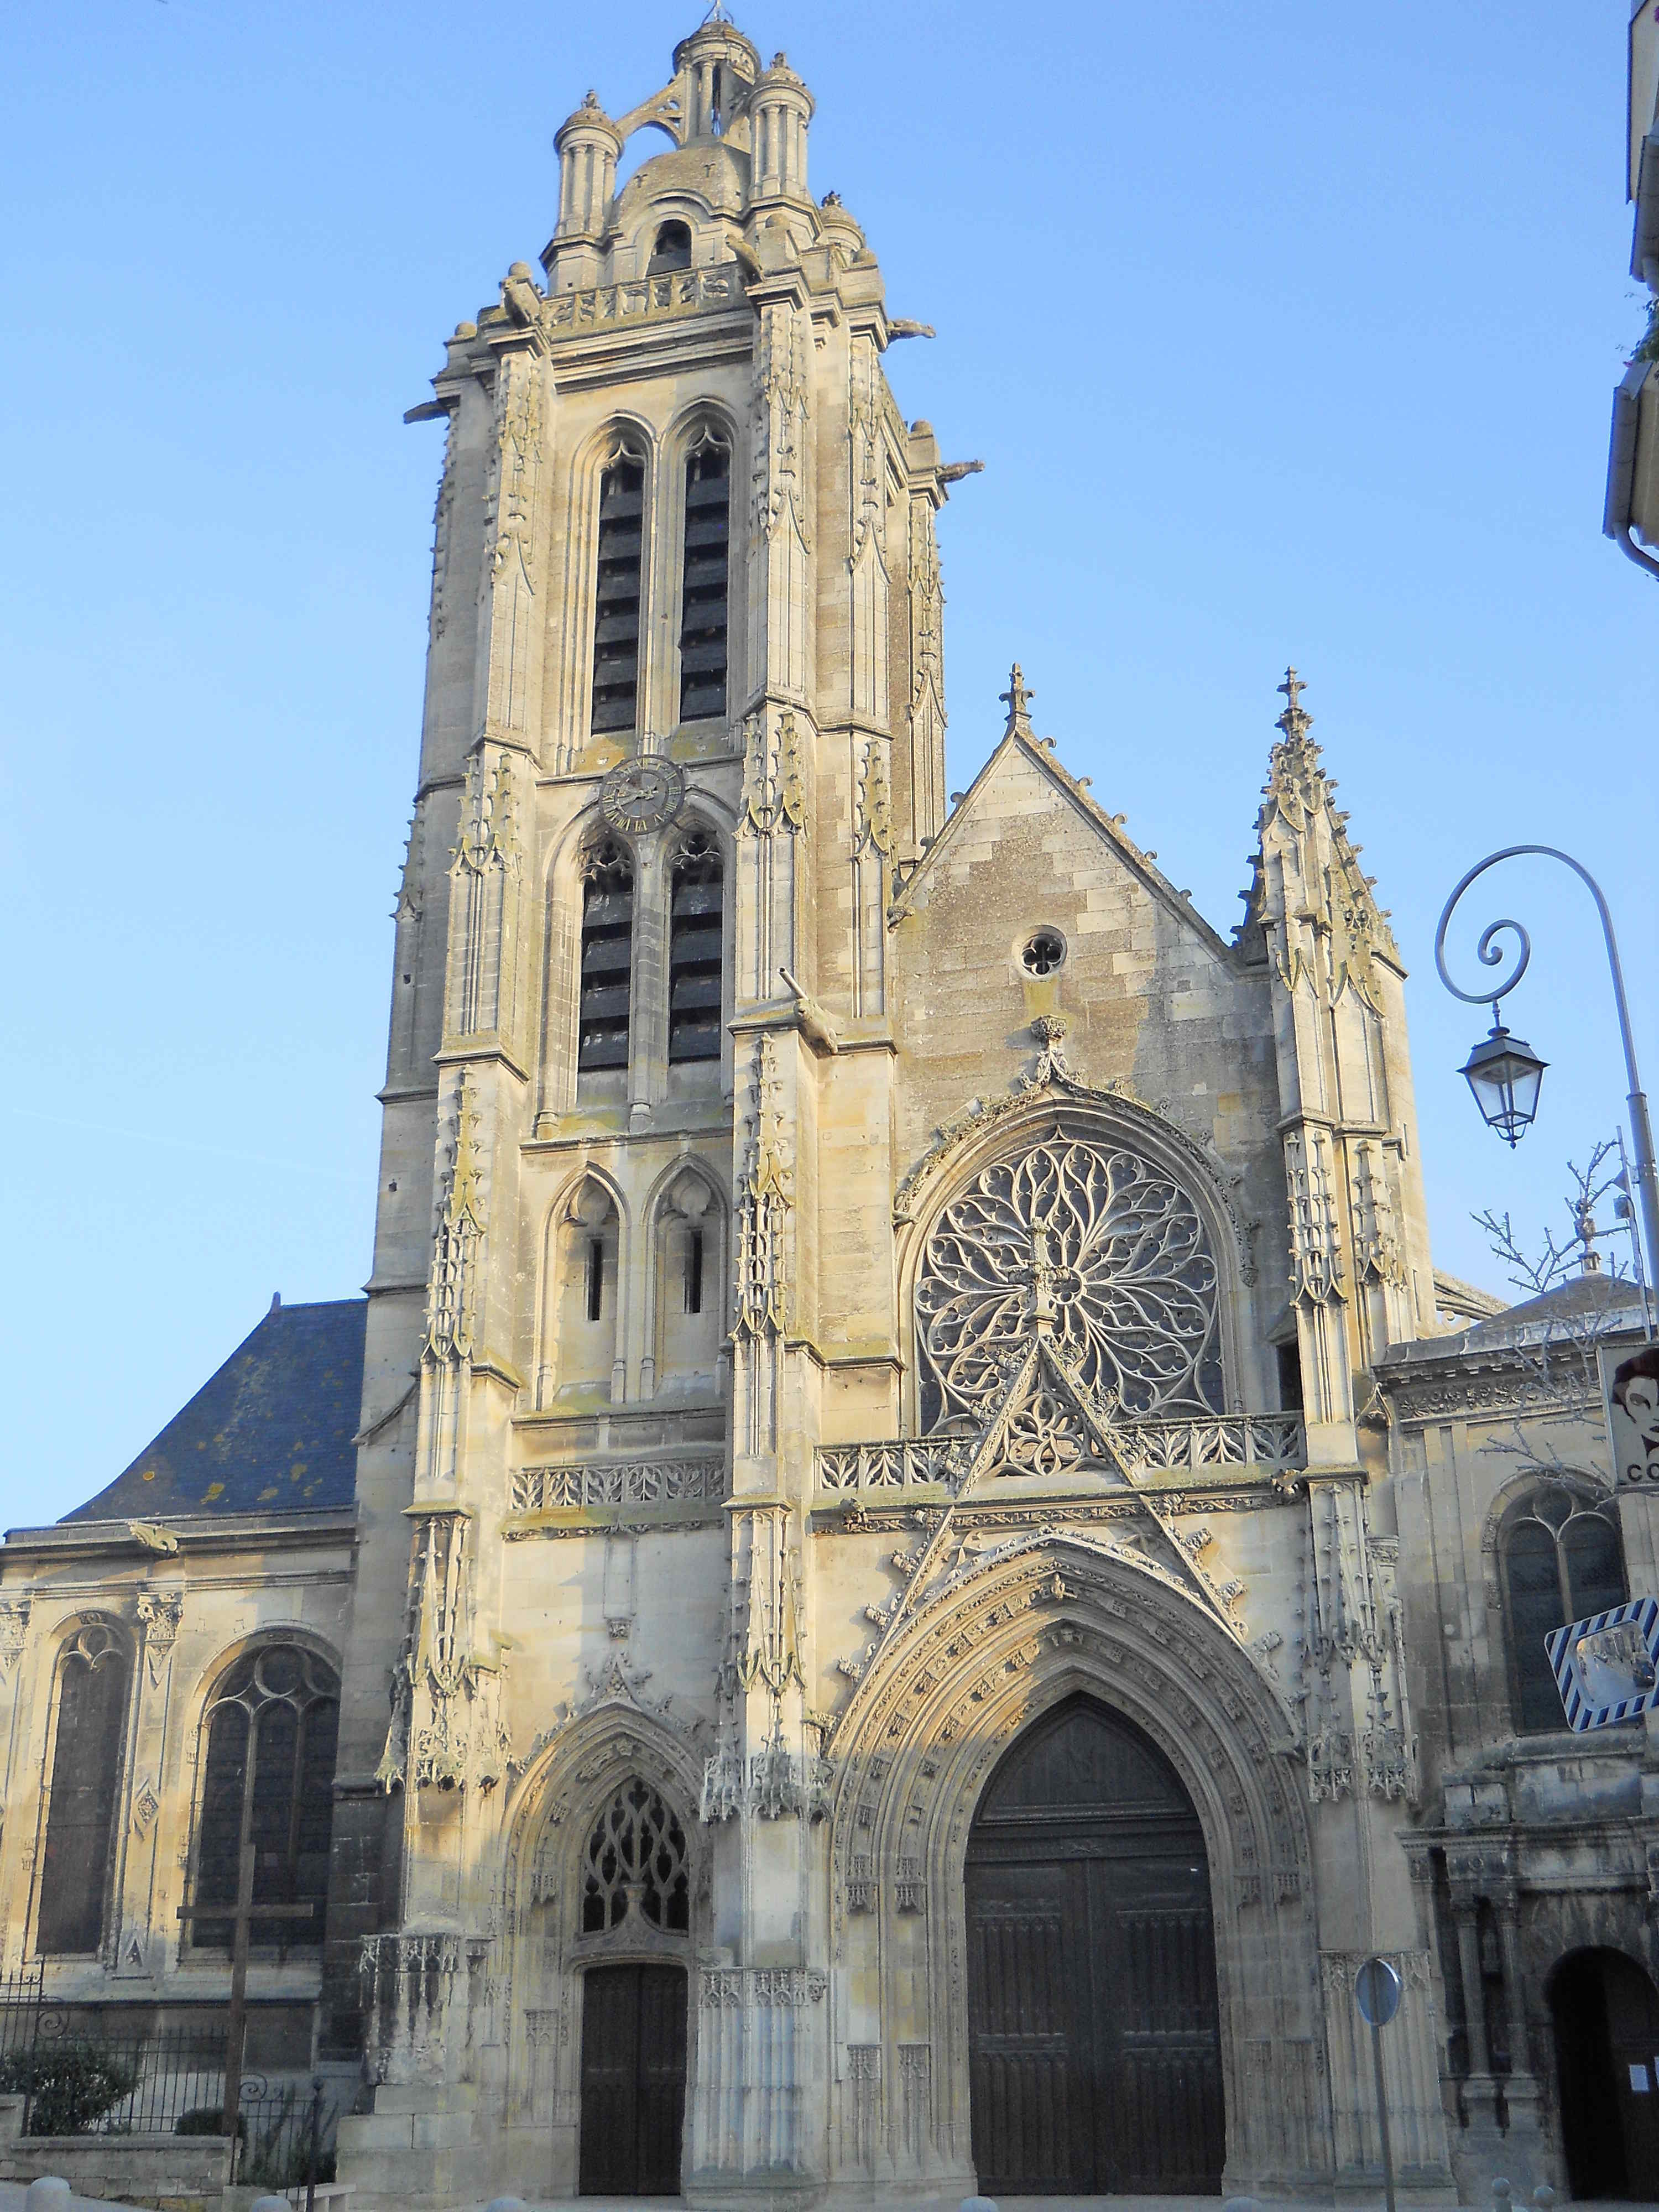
1096	1242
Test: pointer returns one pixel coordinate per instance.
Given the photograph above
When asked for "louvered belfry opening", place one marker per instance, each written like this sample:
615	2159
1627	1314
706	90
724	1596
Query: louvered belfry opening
616	594
607	957
694	950
705	589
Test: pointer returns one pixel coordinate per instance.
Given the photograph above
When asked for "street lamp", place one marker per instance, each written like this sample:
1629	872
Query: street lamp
1505	1074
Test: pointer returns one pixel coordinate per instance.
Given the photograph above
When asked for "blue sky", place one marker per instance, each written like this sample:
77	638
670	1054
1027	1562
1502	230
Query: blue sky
1285	331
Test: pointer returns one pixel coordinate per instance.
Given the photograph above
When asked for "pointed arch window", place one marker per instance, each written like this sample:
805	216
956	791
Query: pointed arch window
617	591
706	584
1562	1560
607	957
694	951
272	1731
95	1677
637	1862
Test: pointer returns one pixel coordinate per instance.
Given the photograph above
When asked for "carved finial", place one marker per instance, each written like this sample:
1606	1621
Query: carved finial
1015	698
1295	721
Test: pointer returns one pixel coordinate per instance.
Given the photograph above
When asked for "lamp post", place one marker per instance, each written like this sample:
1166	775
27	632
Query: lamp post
1505	1074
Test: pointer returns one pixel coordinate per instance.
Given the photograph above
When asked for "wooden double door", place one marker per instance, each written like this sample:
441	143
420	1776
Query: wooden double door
1093	2030
632	2116
1605	2012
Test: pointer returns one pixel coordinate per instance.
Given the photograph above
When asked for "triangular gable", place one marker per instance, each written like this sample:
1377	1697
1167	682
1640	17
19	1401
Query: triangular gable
1019	744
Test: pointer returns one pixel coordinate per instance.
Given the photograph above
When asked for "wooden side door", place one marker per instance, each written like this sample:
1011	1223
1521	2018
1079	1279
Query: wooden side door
633	2113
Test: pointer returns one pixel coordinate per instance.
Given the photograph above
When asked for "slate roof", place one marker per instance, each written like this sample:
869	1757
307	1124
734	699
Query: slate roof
1581	1299
269	1433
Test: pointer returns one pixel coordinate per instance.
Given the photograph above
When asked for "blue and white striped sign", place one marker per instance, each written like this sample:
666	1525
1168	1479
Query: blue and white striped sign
1607	1667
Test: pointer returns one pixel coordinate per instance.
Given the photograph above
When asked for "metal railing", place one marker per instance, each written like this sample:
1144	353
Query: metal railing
78	2077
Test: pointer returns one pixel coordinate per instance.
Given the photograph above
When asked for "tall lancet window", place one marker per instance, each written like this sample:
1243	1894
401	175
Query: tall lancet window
705	587
93	1678
269	1781
607	957
616	592
694	950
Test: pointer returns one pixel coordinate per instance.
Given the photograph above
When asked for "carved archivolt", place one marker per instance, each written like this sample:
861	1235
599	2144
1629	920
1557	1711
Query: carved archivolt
919	1739
618	1776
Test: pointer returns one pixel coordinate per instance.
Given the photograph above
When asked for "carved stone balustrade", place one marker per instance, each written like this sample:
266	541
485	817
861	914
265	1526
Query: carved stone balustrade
1217	1445
646	299
546	1500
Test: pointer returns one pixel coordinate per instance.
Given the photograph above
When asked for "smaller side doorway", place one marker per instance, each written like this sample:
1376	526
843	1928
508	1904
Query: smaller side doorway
633	2080
1605	2012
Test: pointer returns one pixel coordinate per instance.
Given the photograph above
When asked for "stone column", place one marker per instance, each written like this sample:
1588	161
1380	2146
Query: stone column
1467	1872
1520	2091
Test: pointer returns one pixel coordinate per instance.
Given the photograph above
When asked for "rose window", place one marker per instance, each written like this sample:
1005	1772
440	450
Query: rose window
1102	1247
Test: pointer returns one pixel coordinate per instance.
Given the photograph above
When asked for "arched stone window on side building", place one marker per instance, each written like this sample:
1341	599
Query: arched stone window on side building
1561	1560
93	1692
268	1779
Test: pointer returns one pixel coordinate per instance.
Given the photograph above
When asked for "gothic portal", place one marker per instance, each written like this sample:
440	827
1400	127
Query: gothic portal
1096	2060
860	1504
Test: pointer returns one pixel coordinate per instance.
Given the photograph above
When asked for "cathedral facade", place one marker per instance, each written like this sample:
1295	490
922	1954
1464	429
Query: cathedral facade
860	1471
863	1625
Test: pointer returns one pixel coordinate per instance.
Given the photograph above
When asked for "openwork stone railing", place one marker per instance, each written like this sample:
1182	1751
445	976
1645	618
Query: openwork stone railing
617	1482
646	299
1271	1441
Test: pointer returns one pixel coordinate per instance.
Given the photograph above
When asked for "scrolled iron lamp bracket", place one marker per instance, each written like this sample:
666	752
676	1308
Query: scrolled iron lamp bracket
1492	954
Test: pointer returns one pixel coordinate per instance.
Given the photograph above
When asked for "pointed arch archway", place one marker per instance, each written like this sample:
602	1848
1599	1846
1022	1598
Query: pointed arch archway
1047	1620
616	1784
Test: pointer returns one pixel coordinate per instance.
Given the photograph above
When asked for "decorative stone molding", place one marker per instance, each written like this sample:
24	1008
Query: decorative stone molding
745	1988
13	1631
645	300
617	1482
763	1202
446	1729
1275	1443
160	1612
777	1784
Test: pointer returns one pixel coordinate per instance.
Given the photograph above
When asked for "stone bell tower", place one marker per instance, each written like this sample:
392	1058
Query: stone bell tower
683	734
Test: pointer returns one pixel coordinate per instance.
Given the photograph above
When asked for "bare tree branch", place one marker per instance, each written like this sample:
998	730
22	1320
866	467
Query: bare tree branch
1556	1262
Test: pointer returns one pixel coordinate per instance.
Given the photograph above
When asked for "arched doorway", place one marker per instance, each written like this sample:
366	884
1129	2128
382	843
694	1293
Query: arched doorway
1093	2032
1605	2012
636	1896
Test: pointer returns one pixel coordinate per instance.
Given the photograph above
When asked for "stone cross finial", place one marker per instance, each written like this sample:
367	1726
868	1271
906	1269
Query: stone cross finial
1016	699
1295	721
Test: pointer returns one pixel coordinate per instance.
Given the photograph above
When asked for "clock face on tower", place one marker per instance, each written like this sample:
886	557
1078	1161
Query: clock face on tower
642	795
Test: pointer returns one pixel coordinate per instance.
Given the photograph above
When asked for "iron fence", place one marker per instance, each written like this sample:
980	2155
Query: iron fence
80	2078
21	1992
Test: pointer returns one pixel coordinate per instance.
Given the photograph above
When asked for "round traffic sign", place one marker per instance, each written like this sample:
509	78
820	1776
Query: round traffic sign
1377	1992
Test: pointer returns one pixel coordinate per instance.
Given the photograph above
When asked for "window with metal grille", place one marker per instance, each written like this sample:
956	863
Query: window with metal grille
93	1677
616	592
1562	1561
607	957
636	1858
268	1780
694	950
705	582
